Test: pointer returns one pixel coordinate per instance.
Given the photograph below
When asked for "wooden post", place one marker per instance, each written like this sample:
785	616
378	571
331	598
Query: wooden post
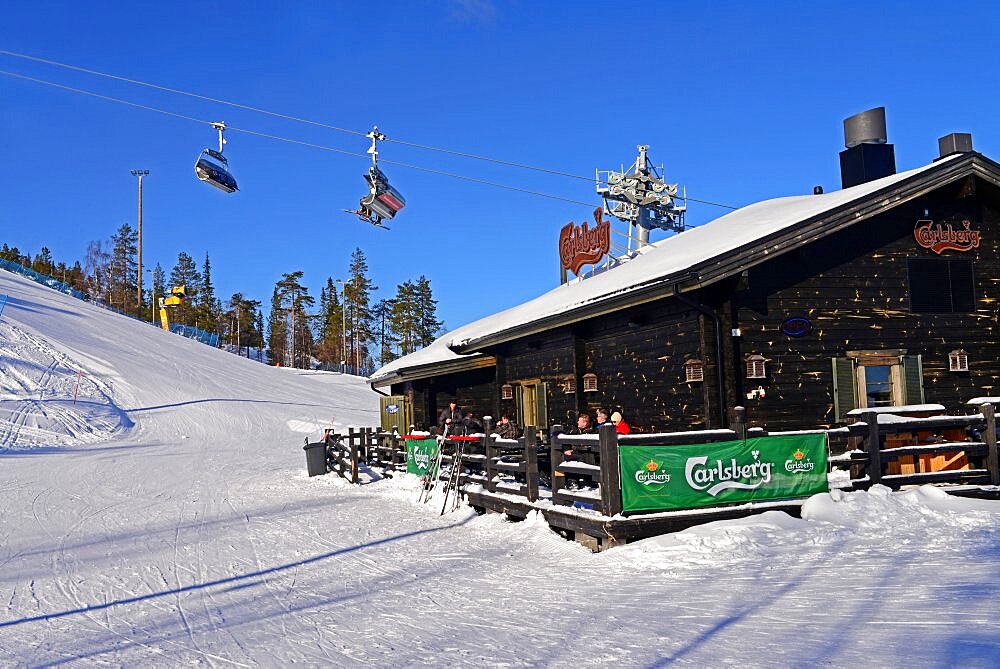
531	465
355	448
739	425
489	449
873	443
611	481
990	437
394	454
556	459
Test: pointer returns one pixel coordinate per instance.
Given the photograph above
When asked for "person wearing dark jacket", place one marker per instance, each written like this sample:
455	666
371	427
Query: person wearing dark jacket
450	418
506	428
472	424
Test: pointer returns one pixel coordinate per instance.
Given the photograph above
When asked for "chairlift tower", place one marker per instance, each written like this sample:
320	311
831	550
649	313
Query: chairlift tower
639	197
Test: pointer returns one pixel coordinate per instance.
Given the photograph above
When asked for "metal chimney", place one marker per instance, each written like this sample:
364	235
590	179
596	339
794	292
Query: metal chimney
868	127
868	155
956	142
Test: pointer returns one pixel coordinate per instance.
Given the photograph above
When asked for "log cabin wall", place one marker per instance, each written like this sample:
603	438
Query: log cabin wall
638	356
853	287
546	358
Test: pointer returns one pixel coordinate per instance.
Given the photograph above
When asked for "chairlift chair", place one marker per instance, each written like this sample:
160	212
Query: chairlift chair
213	168
382	202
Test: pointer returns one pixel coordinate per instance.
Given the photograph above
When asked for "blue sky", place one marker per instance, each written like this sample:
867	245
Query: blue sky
741	101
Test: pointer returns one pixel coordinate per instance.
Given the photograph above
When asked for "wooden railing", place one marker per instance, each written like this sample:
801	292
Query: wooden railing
591	478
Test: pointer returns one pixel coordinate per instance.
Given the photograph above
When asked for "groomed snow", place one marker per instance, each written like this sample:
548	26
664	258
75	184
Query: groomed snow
165	519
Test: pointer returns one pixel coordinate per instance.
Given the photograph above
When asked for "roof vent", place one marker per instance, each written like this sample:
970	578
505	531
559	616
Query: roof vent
956	142
868	127
868	155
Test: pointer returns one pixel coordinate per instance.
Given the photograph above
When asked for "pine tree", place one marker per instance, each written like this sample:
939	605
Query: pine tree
329	326
207	308
428	326
242	319
277	337
387	339
185	273
123	269
294	298
404	317
43	263
357	301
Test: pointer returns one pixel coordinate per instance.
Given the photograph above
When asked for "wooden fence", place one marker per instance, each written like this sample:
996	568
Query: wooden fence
510	476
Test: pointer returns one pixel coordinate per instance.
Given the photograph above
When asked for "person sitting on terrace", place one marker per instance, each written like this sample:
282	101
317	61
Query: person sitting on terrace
602	418
583	426
621	427
472	424
506	428
450	418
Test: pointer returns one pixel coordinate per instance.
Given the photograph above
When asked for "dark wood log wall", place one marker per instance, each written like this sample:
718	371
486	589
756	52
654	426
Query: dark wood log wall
638	357
854	288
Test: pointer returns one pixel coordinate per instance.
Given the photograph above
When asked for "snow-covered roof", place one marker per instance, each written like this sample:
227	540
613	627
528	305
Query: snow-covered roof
659	264
902	409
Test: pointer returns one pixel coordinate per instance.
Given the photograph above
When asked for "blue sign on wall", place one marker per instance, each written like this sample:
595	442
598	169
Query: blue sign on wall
796	326
391	408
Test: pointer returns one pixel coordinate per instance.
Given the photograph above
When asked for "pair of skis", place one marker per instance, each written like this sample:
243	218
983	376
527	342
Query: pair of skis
432	475
455	479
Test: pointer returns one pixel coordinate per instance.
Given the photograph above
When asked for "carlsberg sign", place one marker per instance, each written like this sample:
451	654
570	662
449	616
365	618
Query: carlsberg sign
659	478
421	455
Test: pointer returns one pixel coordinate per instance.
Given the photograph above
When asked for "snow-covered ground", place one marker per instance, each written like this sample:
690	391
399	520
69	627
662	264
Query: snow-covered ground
165	518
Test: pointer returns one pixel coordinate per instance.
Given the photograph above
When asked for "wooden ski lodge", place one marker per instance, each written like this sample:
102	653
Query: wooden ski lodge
800	309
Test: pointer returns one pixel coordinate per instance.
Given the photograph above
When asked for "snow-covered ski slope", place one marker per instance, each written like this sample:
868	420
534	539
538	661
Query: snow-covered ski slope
165	519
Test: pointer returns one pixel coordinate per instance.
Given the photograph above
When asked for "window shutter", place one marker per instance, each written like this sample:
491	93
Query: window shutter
542	408
913	379
519	404
844	396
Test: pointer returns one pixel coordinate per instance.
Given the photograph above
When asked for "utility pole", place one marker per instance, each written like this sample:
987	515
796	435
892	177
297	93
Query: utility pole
343	314
140	174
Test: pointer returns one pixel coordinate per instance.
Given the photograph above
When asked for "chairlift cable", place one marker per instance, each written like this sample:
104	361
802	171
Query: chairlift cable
177	91
298	119
300	142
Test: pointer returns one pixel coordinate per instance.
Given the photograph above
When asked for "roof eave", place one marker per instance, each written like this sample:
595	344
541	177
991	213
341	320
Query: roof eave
432	369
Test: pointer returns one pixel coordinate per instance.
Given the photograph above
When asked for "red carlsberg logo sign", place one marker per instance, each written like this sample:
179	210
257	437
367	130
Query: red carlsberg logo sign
940	238
581	245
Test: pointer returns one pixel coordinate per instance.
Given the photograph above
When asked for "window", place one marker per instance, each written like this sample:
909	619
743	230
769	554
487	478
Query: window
868	379
958	361
878	387
941	285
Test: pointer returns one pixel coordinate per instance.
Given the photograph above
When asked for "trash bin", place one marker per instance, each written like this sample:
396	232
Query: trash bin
315	458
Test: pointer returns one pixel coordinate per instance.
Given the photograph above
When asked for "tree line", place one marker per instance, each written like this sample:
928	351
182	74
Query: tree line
348	330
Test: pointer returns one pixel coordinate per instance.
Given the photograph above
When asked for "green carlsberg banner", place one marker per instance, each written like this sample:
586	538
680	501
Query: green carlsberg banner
421	455
661	478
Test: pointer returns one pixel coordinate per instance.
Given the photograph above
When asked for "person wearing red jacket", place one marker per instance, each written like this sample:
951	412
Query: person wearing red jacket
621	427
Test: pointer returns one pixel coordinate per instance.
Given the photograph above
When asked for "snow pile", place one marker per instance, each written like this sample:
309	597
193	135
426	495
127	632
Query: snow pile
877	515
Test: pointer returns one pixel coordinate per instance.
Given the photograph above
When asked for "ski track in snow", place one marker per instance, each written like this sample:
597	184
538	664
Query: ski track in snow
166	520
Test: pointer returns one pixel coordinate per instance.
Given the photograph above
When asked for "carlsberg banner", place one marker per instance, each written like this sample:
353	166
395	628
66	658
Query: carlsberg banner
421	454
660	478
